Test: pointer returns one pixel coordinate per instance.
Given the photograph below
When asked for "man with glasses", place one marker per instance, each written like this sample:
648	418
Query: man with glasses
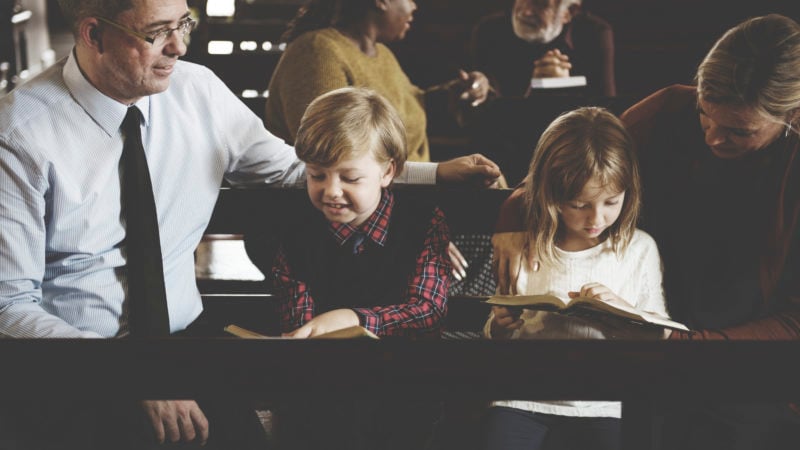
62	227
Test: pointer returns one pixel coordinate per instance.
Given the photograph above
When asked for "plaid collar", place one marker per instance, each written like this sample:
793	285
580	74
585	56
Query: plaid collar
375	228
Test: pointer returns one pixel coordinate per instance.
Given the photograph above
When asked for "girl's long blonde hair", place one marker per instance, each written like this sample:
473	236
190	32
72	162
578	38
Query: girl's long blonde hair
580	145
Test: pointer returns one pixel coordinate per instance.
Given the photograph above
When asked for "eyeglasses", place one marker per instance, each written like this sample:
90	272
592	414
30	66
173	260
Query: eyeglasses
156	38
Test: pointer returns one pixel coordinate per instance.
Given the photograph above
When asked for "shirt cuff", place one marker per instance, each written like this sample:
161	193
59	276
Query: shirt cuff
418	173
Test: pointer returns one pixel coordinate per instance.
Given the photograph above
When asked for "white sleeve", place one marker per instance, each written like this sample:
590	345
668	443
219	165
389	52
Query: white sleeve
255	156
418	173
22	258
650	291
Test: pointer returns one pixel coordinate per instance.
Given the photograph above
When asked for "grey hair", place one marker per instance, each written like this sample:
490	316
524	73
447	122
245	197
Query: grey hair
565	4
76	10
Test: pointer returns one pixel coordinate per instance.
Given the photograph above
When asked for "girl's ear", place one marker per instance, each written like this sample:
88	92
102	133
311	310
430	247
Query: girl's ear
382	5
388	175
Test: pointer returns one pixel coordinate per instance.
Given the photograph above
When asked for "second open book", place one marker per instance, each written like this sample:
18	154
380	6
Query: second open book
584	306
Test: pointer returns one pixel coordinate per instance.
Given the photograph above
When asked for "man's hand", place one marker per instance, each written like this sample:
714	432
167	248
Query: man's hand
552	64
475	169
177	420
472	86
510	255
325	323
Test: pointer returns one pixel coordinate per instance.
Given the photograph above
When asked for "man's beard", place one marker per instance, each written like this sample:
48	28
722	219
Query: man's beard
542	35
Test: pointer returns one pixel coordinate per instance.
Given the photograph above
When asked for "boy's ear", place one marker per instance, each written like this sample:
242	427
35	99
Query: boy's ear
388	175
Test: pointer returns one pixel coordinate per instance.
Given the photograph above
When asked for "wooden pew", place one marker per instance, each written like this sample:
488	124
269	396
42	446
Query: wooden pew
256	210
239	211
645	375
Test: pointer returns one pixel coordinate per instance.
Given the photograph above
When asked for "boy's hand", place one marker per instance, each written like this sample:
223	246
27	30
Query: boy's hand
474	169
505	321
325	323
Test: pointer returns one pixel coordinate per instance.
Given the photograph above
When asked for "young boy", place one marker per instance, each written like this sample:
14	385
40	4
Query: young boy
359	256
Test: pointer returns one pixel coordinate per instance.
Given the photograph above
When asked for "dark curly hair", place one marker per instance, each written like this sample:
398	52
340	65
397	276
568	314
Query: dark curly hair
318	14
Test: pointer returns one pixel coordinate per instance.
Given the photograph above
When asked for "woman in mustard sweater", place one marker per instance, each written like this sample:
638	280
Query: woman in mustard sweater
338	43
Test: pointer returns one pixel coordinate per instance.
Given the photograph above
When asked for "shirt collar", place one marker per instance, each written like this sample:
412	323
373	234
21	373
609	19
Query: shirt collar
376	227
104	110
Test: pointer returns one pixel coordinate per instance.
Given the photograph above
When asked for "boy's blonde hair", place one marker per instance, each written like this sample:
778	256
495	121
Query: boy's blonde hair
348	122
580	145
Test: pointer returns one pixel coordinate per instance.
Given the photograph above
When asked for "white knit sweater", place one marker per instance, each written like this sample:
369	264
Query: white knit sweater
635	276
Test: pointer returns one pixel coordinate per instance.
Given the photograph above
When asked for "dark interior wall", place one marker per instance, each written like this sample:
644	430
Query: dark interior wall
661	42
658	42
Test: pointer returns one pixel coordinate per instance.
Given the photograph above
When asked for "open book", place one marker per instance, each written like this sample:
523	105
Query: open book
558	82
583	306
345	333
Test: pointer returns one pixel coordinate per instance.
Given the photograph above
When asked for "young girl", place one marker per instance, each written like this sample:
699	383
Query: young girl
582	203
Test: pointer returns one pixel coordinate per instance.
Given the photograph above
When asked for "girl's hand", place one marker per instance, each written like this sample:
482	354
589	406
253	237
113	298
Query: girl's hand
600	292
325	323
505	321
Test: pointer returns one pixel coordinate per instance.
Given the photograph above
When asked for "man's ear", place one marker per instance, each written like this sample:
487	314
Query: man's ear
573	10
90	34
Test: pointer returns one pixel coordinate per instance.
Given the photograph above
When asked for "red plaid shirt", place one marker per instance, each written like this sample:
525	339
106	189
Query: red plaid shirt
426	296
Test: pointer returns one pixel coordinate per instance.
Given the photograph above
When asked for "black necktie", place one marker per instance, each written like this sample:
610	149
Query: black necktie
147	298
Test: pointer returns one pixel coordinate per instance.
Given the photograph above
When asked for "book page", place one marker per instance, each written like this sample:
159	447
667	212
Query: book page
626	311
553	303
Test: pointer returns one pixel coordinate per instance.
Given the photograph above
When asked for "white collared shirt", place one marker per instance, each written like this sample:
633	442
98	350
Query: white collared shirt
62	258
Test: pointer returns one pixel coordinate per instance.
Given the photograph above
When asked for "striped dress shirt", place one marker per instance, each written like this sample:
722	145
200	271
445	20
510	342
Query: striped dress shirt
62	241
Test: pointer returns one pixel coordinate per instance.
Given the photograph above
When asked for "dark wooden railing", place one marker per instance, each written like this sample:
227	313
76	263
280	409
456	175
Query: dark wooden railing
644	375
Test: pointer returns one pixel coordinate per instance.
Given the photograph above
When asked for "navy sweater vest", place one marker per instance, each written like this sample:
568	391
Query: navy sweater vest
378	276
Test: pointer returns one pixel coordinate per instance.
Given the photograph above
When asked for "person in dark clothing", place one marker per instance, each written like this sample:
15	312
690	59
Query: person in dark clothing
542	39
